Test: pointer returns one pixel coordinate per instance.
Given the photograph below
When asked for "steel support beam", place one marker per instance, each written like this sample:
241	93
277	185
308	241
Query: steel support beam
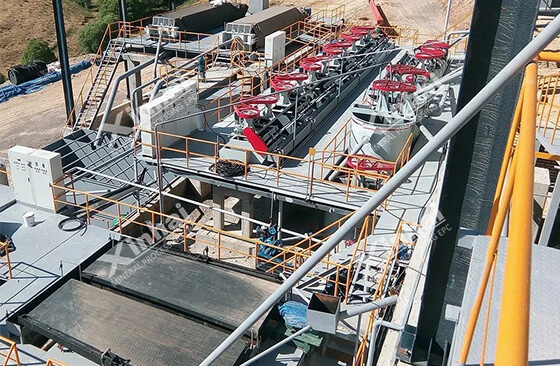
550	219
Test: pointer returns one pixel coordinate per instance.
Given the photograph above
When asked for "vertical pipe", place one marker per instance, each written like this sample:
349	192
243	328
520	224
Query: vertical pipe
64	61
122	10
447	14
513	330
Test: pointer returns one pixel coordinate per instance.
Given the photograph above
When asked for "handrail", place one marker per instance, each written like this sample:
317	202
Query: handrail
360	357
293	255
12	354
6	258
53	362
460	119
322	165
516	188
513	331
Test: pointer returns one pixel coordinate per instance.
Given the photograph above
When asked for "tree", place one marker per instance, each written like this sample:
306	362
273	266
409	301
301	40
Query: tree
37	50
91	35
86	4
2	78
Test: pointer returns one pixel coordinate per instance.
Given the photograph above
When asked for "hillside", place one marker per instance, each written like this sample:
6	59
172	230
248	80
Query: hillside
24	19
428	16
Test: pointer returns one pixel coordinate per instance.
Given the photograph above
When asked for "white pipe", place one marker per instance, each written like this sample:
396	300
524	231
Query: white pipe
373	335
354	151
447	78
374	305
445	134
296	290
277	345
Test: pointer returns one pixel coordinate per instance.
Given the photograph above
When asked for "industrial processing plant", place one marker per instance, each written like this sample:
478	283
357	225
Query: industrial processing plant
290	185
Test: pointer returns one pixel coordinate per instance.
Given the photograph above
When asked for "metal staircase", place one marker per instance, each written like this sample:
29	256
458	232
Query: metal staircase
103	77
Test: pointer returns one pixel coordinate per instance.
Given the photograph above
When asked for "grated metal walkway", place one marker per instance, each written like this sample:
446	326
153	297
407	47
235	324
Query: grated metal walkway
544	334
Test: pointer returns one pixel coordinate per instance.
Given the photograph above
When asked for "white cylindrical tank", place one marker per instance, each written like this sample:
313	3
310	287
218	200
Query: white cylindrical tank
387	137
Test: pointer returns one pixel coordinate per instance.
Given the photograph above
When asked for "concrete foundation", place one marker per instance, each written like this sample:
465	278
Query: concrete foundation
247	209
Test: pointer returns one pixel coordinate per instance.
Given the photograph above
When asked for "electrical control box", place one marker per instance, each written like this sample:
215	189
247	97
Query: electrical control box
274	48
33	172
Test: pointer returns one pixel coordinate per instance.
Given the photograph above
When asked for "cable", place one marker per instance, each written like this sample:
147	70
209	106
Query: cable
81	224
208	124
229	168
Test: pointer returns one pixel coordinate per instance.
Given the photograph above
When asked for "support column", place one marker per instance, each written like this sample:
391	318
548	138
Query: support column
134	81
218	217
280	216
546	231
247	211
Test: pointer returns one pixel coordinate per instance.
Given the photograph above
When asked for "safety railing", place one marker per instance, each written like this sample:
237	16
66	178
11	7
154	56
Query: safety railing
514	195
181	40
52	362
383	285
287	258
548	107
11	355
326	15
5	258
318	164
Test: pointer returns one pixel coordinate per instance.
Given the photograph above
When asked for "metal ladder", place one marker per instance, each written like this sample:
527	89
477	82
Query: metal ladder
103	77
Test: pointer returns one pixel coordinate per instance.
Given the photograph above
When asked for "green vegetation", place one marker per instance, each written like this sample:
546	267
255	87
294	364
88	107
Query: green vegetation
86	4
2	78
90	37
37	50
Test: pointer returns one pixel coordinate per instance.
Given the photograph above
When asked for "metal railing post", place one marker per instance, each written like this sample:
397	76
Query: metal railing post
513	331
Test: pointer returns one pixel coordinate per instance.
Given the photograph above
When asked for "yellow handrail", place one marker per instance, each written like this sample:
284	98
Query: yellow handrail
518	189
513	330
53	362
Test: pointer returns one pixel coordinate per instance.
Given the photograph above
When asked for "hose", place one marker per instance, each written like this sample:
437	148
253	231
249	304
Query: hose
232	168
80	224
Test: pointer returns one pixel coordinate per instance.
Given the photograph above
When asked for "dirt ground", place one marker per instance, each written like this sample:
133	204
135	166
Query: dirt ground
428	16
37	119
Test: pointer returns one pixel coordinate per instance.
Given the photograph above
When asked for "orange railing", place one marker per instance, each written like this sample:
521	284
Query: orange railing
287	259
548	106
515	194
51	362
319	163
112	31
5	257
383	287
12	355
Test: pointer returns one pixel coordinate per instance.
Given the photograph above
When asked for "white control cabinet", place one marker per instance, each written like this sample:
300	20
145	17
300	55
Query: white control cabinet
33	172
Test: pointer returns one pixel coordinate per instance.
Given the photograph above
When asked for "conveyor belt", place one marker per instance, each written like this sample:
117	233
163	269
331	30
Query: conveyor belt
217	295
133	330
